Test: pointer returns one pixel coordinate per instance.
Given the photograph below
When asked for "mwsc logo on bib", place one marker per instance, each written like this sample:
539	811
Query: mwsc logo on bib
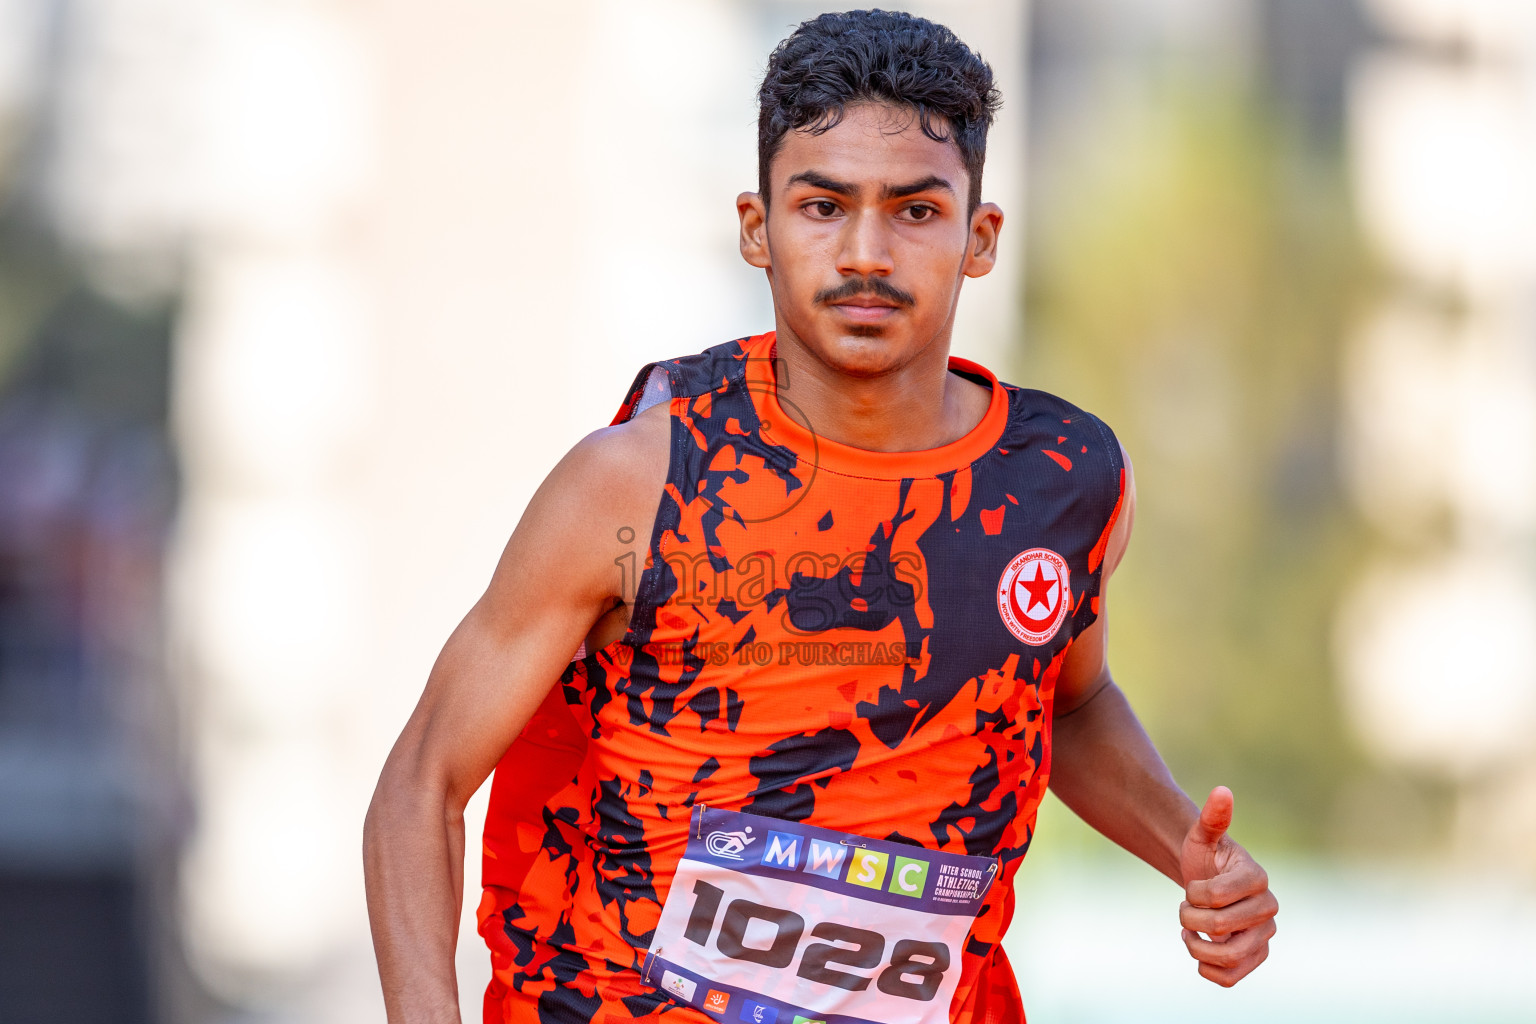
871	869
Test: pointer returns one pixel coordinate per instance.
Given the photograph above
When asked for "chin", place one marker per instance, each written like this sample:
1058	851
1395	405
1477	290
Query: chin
861	350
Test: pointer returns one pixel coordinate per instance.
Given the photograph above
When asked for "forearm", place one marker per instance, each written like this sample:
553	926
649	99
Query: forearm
1105	768
413	859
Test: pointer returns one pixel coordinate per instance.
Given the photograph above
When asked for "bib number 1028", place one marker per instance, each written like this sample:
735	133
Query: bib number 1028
915	970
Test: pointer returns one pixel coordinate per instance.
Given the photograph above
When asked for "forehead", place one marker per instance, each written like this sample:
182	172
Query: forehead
874	144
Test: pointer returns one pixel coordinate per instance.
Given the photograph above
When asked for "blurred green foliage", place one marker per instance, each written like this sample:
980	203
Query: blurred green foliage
63	336
31	283
1190	278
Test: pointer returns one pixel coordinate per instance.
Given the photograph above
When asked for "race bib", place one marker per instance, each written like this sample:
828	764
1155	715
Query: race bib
775	922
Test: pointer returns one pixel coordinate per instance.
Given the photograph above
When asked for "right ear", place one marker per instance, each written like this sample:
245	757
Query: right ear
754	229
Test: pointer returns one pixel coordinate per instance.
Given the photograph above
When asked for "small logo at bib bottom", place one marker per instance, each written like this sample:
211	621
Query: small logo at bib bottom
1034	594
757	1013
716	1001
678	985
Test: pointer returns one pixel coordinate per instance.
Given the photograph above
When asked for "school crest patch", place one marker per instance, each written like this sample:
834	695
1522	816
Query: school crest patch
1034	594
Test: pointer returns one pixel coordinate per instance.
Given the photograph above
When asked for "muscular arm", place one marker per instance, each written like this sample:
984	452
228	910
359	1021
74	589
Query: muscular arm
1103	765
555	579
1105	768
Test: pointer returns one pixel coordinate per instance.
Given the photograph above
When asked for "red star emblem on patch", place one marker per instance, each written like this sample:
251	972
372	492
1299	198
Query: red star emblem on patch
1040	590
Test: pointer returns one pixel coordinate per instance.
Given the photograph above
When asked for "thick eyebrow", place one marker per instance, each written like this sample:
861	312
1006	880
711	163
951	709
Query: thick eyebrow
932	183
817	180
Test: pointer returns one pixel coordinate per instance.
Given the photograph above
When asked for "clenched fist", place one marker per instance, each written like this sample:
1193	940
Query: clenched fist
1228	912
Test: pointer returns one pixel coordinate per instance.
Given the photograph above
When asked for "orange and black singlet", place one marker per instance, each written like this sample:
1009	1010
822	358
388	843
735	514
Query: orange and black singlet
862	641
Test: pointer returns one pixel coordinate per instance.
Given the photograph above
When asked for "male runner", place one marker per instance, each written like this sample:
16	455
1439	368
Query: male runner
839	607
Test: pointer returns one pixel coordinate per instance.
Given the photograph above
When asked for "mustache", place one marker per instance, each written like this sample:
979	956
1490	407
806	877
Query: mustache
856	286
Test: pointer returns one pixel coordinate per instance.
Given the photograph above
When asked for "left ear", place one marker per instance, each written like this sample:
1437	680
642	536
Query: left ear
753	214
981	247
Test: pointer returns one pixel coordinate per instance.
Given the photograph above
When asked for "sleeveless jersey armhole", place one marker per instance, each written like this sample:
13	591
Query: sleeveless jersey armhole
653	385
677	382
1102	505
1112	503
1112	450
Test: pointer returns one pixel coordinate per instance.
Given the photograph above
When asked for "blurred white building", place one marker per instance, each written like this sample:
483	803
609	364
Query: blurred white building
1437	645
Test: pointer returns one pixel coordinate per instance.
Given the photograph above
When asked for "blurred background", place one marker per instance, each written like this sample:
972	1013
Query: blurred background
300	299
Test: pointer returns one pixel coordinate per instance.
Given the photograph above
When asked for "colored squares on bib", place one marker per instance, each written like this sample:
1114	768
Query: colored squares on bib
825	859
806	1020
867	868
782	851
909	877
717	1001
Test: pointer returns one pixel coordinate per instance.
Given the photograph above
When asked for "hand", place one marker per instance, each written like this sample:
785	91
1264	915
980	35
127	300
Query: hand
1227	897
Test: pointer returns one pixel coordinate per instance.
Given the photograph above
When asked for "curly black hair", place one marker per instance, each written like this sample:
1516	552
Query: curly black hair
882	56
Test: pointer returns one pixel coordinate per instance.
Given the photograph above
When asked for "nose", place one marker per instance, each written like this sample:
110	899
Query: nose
865	248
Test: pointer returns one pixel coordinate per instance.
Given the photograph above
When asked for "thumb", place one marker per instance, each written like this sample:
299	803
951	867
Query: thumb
1197	861
1215	818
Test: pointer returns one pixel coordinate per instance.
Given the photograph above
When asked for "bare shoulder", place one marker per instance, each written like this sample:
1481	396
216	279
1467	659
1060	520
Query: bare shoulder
595	507
1120	538
617	473
635	449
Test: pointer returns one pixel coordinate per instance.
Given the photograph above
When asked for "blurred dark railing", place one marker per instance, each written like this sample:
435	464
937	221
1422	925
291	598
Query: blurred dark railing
89	818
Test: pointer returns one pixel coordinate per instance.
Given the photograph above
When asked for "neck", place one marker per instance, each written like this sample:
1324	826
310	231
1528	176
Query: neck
913	407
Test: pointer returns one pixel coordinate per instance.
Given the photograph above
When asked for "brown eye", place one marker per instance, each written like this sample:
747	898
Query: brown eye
920	212
824	208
